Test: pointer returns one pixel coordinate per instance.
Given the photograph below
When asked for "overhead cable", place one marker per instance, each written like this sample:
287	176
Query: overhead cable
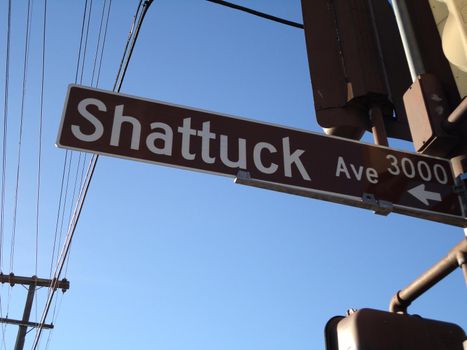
86	42
41	118
99	38
91	168
103	43
20	136
5	134
81	40
68	157
257	13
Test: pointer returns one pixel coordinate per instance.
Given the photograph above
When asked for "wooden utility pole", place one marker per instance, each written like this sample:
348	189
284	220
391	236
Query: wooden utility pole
33	283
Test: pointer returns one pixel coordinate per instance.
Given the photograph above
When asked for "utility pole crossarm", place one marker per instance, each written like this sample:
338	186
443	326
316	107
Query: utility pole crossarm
33	283
26	324
63	284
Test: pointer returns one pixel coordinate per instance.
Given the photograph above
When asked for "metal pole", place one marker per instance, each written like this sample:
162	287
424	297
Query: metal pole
464	270
457	117
409	41
19	345
377	126
457	257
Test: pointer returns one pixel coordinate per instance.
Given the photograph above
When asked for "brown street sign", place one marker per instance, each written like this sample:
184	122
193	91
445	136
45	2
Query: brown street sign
260	154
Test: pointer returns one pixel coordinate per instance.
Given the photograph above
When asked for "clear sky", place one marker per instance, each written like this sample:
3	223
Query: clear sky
171	259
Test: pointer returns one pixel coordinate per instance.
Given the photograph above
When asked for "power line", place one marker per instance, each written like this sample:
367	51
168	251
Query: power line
20	136
41	118
103	43
125	50
61	197
98	42
98	56
5	134
91	168
258	13
81	41
68	157
86	42
19	153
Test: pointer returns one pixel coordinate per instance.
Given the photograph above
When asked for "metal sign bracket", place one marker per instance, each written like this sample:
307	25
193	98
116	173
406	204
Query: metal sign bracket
379	207
243	175
460	188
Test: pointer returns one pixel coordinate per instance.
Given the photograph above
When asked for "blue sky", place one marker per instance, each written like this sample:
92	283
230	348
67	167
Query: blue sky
165	258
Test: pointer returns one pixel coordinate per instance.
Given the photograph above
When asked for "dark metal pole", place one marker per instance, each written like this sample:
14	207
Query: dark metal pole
377	126
19	345
457	257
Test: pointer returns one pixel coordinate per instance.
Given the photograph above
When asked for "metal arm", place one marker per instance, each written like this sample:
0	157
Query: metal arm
457	257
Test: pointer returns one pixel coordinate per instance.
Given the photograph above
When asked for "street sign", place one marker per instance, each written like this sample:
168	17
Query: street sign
260	154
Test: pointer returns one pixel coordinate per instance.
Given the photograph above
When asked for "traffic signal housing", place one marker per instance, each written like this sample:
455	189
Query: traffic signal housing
369	329
451	20
356	62
438	30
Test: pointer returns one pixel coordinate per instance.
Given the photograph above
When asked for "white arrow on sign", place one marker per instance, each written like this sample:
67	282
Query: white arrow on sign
423	195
